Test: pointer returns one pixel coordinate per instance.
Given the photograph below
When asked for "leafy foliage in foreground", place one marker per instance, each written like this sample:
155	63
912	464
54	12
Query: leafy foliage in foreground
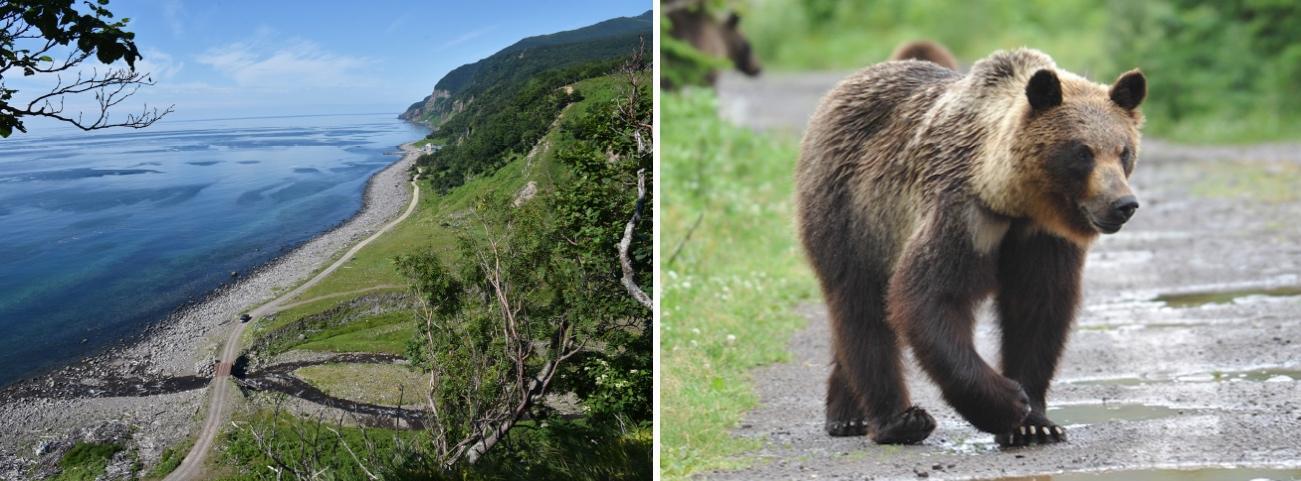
33	37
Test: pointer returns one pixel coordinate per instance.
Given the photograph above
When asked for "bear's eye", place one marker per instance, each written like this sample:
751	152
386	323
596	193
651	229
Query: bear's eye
1071	162
1127	160
1083	153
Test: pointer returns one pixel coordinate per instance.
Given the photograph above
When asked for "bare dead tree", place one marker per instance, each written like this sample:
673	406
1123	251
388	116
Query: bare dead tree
630	112
625	244
44	38
642	130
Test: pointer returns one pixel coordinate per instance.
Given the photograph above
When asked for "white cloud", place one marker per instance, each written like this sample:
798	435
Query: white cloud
466	37
159	65
295	63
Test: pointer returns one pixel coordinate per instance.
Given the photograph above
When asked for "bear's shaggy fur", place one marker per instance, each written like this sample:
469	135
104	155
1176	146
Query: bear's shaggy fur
922	192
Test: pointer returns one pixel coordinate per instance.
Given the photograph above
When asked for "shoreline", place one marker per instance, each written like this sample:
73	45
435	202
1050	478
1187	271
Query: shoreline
41	417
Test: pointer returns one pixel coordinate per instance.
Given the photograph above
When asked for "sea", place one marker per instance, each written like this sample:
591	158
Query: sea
103	234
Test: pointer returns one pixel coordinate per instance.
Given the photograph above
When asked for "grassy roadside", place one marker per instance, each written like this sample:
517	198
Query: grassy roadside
728	295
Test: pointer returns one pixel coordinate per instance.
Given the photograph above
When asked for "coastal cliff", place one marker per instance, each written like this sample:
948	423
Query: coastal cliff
456	91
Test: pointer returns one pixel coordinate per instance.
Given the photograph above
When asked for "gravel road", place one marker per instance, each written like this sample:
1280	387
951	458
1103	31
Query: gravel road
1185	360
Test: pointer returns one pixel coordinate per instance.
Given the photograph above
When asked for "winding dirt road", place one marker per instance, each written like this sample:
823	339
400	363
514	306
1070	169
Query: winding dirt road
192	465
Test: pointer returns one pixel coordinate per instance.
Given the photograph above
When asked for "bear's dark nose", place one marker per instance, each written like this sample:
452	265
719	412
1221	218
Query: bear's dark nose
1124	207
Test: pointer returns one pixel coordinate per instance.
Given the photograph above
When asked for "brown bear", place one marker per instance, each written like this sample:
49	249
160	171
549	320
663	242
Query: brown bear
921	192
925	50
699	27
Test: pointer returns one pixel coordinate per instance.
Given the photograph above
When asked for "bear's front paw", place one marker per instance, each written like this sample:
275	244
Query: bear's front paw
911	426
1001	406
1036	429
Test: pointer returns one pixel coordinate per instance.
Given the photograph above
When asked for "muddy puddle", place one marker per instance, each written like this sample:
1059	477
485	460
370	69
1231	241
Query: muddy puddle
1070	416
1211	474
1253	375
1077	414
1196	299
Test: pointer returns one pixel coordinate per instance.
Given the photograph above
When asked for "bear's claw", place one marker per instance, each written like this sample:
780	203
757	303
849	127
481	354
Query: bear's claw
854	427
1036	429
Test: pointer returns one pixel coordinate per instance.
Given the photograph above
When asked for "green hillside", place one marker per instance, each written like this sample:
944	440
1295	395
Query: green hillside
486	112
610	39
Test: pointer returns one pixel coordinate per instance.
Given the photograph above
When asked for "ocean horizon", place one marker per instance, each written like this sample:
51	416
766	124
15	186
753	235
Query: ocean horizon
105	234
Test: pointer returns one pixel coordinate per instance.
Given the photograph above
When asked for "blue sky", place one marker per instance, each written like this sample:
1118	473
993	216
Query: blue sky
245	58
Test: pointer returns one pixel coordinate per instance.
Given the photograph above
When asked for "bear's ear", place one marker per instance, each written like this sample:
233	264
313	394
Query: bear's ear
733	20
1129	90
1044	90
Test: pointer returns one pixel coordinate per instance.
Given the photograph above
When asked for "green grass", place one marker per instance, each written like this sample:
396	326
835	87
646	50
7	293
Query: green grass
168	462
86	461
728	297
384	384
242	459
386	333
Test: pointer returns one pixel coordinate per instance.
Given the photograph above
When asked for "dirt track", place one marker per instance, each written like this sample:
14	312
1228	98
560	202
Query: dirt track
1209	380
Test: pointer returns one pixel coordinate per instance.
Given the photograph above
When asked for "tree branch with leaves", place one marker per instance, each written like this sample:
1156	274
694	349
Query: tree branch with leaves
44	38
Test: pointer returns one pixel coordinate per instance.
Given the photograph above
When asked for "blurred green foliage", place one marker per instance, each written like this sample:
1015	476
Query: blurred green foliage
1218	71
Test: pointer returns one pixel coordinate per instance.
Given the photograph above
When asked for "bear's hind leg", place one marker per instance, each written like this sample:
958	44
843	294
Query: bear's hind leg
867	377
845	413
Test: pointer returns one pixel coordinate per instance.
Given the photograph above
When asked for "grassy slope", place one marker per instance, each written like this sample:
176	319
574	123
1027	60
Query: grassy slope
727	298
386	333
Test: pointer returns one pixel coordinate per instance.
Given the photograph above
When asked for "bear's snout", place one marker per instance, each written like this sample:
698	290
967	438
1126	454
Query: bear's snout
1123	208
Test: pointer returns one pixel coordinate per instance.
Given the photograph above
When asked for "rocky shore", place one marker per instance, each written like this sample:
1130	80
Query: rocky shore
165	370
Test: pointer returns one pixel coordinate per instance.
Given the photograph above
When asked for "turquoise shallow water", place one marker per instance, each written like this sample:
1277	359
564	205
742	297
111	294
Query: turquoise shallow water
105	234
